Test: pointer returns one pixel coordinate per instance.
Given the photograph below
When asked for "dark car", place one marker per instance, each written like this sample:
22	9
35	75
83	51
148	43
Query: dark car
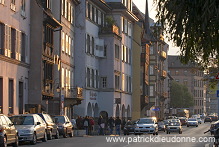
129	127
51	127
214	127
65	126
8	132
207	119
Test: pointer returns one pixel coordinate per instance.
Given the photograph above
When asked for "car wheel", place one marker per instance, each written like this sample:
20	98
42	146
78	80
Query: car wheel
197	126
169	132
71	134
34	141
156	133
49	135
15	144
65	134
57	135
45	137
153	133
187	125
4	143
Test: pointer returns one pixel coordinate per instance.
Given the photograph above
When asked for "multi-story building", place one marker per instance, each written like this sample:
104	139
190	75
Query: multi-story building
191	76
41	75
14	55
104	63
158	94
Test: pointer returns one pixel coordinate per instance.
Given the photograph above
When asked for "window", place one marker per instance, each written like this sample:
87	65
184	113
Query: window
151	69
63	78
123	82
117	82
130	56
151	91
177	80
63	7
97	79
23	7
93	45
49	4
185	82
2	1
7	41
1	95
88	43
130	84
12	5
88	10
11	96
23	47
185	72
92	78
151	50
129	29
127	83
88	77
104	82
48	35
67	44
63	41
99	17
117	51
105	51
93	13
177	73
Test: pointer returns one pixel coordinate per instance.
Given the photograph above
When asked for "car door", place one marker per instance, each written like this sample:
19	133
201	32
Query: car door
6	128
42	126
13	130
51	123
68	124
37	127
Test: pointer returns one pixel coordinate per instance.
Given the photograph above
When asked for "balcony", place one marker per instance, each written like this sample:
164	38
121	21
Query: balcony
163	74
110	29
163	55
73	96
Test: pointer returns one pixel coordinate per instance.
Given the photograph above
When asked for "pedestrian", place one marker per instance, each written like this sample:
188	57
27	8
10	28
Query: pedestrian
111	124
118	123
86	125
91	121
79	123
123	124
101	124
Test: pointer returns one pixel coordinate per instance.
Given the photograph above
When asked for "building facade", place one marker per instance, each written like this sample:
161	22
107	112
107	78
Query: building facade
104	62
192	77
14	55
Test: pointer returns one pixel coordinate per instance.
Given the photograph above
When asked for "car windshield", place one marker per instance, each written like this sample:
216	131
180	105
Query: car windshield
59	119
160	123
145	121
22	120
174	124
192	120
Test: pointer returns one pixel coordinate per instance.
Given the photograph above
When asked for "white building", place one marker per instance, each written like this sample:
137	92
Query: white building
14	55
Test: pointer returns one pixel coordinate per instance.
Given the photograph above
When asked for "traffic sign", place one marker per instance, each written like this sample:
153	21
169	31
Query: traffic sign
156	109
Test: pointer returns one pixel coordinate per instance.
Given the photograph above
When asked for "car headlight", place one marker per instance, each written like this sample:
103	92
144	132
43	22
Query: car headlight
152	127
136	127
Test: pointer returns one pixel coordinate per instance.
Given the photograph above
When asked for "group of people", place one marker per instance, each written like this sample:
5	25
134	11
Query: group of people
104	124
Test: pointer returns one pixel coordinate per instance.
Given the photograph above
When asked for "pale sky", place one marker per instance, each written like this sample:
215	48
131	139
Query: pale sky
141	5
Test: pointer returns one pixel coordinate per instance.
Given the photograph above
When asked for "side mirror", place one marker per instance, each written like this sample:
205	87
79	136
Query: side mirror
38	123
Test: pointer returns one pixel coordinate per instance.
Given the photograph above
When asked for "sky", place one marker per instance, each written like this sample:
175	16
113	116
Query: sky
141	5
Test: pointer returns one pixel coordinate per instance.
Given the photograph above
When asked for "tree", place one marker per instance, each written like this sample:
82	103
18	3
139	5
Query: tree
193	25
180	97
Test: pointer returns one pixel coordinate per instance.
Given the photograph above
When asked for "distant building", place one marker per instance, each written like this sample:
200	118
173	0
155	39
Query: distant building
192	77
14	55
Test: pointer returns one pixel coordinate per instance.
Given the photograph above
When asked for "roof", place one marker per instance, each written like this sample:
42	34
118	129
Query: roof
174	62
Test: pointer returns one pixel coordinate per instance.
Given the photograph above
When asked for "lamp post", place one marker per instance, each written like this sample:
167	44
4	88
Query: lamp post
62	99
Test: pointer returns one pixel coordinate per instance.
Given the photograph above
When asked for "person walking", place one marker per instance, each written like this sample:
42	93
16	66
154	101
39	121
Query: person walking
101	124
111	124
91	120
86	124
118	123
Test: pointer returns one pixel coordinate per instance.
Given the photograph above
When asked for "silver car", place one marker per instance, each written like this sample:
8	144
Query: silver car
174	127
146	125
192	122
31	127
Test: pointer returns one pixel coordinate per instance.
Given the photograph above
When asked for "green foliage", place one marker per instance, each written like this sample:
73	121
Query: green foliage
110	21
180	97
193	25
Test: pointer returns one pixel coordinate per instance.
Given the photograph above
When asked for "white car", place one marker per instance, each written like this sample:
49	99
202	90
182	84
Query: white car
146	125
30	127
192	122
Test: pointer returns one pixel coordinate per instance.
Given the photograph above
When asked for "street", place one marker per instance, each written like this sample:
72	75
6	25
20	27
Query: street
100	141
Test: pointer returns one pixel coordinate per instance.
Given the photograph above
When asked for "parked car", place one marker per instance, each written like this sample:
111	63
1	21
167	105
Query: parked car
8	132
31	127
174	127
146	125
207	119
129	127
192	122
161	126
199	120
214	117
51	127
65	126
214	127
